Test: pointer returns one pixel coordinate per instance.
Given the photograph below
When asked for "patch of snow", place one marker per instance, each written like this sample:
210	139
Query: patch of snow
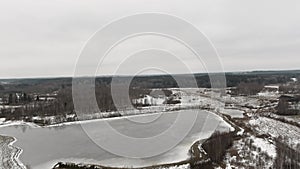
265	146
272	86
228	166
223	124
2	120
18	123
241	132
184	166
294	79
234	113
9	107
275	128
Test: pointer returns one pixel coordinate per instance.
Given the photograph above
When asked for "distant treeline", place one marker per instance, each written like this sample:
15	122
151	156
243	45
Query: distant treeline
154	81
63	104
246	83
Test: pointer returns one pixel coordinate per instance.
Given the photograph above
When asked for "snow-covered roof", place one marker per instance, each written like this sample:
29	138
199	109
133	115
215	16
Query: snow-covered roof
272	86
294	79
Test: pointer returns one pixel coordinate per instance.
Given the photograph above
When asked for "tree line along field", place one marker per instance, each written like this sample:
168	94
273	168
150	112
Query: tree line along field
48	85
30	105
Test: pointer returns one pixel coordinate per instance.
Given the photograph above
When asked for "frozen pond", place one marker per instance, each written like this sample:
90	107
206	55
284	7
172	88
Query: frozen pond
43	147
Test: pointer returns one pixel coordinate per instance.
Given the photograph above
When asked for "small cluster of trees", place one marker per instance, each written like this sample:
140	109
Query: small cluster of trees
63	104
249	88
252	156
217	145
23	98
287	157
288	105
290	88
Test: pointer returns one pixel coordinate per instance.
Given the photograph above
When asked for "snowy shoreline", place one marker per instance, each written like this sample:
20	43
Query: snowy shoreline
17	154
10	154
89	120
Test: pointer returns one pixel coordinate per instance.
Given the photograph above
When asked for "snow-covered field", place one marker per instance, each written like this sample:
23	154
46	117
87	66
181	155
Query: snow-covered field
265	146
295	118
250	152
276	128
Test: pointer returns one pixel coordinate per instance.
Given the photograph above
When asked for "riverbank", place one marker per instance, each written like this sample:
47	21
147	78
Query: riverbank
198	159
9	154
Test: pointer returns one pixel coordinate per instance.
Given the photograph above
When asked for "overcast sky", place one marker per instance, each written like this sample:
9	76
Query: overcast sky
44	37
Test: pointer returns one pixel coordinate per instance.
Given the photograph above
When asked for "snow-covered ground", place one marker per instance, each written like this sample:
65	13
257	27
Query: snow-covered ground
265	146
184	166
8	107
264	125
293	118
4	123
250	152
9	154
234	113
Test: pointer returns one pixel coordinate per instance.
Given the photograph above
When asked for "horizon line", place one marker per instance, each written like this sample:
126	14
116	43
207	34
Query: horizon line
85	76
